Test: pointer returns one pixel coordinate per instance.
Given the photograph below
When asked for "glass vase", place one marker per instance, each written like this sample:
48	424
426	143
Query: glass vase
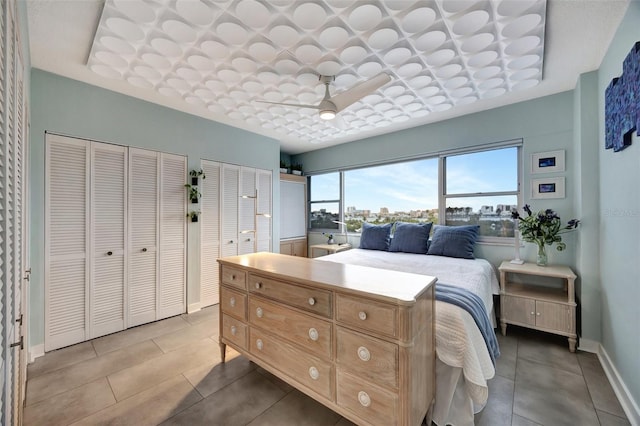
541	259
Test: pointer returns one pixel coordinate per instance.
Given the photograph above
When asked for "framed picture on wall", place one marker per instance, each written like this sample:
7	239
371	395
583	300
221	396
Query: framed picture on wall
547	162
547	188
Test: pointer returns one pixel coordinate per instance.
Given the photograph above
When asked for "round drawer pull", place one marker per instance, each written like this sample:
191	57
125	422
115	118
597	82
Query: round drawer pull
533	313
234	330
259	344
259	312
313	334
314	373
232	302
312	301
364	354
364	399
258	285
233	277
362	315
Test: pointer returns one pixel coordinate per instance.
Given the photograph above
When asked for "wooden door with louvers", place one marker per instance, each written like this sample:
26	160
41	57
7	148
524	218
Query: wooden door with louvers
263	210
247	211
173	235
142	300
108	238
209	233
229	217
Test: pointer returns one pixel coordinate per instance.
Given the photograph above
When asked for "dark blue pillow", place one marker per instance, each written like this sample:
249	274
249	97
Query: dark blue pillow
454	241
411	237
375	237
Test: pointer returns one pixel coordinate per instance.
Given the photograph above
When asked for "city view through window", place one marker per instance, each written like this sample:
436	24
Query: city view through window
408	192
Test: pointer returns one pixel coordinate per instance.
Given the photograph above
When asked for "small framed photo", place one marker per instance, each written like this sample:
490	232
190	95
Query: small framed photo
547	188
547	162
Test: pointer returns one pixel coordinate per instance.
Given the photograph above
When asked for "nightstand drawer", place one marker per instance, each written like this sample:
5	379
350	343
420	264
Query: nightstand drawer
367	356
309	299
313	334
233	303
372	403
234	277
234	331
366	314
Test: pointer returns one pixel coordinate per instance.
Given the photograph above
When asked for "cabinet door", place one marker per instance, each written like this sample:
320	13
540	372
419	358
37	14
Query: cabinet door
286	248
519	310
143	235
300	248
554	316
173	222
210	234
230	194
66	240
263	210
108	226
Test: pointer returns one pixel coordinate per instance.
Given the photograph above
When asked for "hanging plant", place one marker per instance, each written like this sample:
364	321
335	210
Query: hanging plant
195	174
193	215
193	193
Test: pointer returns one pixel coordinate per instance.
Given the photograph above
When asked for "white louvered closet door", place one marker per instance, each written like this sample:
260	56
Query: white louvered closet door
108	238
66	240
142	298
173	235
209	233
247	211
263	210
229	222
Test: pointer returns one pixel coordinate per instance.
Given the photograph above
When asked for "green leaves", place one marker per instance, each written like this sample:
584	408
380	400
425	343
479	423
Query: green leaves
544	227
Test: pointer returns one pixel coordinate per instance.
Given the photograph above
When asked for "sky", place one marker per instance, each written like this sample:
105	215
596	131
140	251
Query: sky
414	185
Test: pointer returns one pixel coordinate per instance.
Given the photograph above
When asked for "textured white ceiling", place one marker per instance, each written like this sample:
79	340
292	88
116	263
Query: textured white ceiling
217	59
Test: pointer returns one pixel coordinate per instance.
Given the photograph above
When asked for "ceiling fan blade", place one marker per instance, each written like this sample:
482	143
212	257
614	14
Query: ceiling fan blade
359	91
291	105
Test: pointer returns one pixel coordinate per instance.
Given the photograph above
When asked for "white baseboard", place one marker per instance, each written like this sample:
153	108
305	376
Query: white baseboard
36	351
194	307
629	406
591	346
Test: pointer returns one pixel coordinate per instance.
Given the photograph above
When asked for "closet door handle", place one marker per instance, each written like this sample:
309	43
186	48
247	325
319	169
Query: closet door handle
144	250
109	253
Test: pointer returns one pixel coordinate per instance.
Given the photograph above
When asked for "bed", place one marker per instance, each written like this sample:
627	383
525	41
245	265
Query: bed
463	363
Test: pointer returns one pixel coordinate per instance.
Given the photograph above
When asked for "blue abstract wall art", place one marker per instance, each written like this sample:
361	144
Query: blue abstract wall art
622	103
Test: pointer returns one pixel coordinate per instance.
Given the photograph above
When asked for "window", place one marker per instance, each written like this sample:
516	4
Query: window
324	201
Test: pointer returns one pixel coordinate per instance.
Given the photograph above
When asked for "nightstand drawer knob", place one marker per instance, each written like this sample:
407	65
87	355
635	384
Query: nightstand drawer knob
259	344
234	330
364	354
233	277
362	315
538	314
259	312
364	399
232	302
533	313
313	334
312	301
258	285
314	373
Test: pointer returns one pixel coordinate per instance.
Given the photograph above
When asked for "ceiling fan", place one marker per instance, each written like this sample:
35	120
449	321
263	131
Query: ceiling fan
329	106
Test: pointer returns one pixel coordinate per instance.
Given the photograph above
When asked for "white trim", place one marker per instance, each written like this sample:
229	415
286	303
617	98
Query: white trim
591	346
36	351
627	402
194	307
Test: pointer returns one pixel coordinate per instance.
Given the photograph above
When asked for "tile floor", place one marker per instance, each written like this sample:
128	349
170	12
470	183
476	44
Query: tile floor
169	373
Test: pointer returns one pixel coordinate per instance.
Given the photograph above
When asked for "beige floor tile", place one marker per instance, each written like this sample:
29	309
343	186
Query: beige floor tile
61	358
236	404
62	380
602	394
548	349
171	341
70	406
607	419
138	378
498	411
521	421
210	313
211	378
296	409
135	335
551	396
150	407
506	362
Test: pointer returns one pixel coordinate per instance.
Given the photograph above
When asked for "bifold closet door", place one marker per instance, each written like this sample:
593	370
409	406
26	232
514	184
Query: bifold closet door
209	233
143	236
247	211
263	210
229	222
108	231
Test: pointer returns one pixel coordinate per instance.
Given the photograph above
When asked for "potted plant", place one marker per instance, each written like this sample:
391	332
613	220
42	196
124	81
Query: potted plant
284	167
193	193
193	215
296	169
195	174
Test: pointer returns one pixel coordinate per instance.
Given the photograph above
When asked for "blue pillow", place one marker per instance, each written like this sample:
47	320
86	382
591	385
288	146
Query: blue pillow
375	237
454	241
411	237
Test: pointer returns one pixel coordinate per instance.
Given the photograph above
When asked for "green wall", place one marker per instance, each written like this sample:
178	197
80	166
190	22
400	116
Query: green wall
68	107
620	225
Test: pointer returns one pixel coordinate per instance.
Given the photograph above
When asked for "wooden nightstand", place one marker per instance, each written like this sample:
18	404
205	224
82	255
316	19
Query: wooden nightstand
328	248
535	306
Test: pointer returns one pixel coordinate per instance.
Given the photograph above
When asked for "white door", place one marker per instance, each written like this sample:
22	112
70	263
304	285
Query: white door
173	235
142	297
209	233
229	222
108	238
263	210
247	211
66	240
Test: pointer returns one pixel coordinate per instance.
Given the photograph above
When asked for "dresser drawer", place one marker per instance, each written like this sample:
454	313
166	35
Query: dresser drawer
309	299
367	401
303	368
367	314
234	277
367	356
234	331
233	303
313	334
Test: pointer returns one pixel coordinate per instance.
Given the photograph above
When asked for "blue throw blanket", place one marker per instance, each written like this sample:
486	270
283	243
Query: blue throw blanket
472	304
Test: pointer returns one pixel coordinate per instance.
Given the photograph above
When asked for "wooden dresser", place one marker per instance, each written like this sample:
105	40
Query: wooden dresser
359	340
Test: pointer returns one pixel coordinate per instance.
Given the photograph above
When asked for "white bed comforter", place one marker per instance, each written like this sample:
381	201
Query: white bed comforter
459	343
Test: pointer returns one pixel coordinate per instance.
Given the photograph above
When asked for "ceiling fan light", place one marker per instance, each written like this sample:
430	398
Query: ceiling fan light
327	114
